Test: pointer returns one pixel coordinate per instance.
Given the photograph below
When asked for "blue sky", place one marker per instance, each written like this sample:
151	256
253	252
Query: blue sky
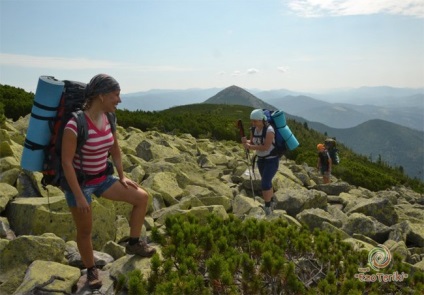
300	45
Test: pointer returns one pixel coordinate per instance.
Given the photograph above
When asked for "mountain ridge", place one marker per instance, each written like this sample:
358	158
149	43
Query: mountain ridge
238	96
345	115
377	139
376	136
405	107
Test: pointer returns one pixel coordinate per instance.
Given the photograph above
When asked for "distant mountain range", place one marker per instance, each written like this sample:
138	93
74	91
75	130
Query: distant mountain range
379	96
338	109
390	130
344	115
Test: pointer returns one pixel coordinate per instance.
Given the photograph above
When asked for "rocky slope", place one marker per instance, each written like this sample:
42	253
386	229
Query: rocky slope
182	174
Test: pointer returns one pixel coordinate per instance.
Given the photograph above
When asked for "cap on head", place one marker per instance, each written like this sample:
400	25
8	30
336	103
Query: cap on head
257	114
100	84
320	147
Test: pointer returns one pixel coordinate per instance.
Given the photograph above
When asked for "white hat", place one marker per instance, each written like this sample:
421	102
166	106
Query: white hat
257	114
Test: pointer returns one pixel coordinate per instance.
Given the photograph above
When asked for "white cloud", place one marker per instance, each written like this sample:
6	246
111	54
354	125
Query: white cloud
252	71
64	63
319	8
236	73
283	69
53	62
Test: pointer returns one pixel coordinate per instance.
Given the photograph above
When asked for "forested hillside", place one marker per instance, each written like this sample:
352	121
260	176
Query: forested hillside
14	102
218	122
383	141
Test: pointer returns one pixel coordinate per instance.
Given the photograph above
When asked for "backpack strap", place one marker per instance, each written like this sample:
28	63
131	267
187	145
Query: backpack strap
263	136
82	133
264	131
112	121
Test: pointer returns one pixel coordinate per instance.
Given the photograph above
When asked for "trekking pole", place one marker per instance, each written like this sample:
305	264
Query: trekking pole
242	134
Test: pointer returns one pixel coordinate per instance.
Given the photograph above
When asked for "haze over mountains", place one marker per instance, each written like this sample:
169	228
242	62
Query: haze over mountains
338	109
161	99
345	115
389	127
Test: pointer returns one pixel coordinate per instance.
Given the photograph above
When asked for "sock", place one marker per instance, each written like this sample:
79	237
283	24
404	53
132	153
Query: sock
133	241
268	204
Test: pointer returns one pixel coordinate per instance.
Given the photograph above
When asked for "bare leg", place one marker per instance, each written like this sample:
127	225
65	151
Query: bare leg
326	177
136	197
267	195
84	225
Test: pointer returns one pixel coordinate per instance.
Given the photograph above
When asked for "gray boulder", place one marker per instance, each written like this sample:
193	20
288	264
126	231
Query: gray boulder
48	277
294	201
367	226
381	209
334	188
314	218
7	193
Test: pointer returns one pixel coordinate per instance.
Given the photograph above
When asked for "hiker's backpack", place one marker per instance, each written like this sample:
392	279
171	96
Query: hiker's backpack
280	145
330	145
70	105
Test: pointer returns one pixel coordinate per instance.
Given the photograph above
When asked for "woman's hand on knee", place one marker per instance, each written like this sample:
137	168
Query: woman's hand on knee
128	182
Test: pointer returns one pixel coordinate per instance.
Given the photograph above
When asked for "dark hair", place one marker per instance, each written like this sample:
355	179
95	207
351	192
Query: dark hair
99	84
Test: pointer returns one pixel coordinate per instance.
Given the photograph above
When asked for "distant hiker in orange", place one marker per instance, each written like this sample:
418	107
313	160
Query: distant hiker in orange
324	163
101	96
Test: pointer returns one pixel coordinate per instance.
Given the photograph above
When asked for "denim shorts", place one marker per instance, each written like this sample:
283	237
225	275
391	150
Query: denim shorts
97	189
267	167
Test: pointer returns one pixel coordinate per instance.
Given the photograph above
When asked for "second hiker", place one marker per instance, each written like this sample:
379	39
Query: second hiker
324	163
102	96
267	164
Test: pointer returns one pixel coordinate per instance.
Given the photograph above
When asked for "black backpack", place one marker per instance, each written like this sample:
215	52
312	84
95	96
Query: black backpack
330	145
70	105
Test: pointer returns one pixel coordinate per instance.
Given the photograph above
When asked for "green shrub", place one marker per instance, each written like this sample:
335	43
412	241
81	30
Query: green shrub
260	257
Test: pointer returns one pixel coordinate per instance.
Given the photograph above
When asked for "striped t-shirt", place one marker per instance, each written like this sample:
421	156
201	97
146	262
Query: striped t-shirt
96	149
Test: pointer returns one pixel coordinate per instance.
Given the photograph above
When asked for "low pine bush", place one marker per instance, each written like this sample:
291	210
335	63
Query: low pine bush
260	257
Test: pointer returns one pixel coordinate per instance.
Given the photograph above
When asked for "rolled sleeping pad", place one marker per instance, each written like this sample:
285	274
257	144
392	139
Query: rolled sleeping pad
279	119
44	110
289	137
281	124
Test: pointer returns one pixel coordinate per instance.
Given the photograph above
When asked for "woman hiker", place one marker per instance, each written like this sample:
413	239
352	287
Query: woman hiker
101	96
267	164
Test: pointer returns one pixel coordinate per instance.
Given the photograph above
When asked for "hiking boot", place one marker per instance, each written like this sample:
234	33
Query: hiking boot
93	279
141	249
267	210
